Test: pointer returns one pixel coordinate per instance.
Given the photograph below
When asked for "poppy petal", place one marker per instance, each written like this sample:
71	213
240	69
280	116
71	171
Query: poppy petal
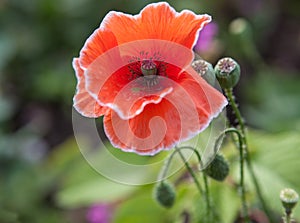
179	116
83	102
146	133
115	81
203	95
98	43
157	21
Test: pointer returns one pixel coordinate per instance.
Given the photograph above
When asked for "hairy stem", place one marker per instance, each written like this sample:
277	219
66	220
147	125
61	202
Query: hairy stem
230	96
206	190
242	181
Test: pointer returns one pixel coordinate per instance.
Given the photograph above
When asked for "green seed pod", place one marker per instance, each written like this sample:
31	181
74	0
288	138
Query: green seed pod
165	194
227	72
205	70
289	199
218	169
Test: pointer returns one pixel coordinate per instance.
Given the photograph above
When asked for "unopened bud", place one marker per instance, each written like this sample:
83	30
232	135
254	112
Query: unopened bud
227	72
218	169
205	70
165	194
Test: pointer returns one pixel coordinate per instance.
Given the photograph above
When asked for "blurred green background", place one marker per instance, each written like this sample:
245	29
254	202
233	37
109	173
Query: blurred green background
44	178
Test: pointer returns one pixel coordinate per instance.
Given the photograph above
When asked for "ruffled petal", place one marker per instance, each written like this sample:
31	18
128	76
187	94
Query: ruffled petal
115	80
83	102
147	133
180	115
98	43
157	21
205	97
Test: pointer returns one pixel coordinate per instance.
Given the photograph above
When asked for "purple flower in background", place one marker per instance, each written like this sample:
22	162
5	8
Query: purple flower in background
99	213
206	37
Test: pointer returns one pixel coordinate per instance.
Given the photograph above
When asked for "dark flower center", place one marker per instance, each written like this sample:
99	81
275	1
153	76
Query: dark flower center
148	68
149	71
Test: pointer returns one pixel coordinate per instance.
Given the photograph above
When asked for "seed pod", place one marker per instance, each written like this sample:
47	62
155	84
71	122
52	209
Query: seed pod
205	70
227	72
289	199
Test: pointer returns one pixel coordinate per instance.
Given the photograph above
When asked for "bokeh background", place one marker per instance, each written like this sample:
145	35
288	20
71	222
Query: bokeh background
44	178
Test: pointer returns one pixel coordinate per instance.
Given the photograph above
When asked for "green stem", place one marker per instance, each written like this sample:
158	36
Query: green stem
242	185
166	166
288	218
195	151
230	96
206	191
209	205
242	182
189	168
207	197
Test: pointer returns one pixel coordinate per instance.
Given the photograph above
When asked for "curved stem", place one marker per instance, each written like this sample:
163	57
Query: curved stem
230	96
229	130
194	150
189	168
166	166
242	182
205	180
206	190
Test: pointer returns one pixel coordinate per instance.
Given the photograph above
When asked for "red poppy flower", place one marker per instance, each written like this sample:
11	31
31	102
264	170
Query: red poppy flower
136	71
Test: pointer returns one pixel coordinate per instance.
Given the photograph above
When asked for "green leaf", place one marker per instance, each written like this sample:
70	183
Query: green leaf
92	191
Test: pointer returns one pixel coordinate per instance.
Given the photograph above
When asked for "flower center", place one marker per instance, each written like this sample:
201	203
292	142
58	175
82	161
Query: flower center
149	71
148	68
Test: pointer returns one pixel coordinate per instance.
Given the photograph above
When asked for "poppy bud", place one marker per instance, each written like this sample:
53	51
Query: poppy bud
218	169
227	72
165	194
205	70
289	199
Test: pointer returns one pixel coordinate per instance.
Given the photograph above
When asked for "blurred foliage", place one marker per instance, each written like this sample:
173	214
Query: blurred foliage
275	158
43	176
274	105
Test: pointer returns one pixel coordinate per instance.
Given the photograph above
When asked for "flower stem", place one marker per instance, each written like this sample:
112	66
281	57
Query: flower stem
205	180
242	182
206	191
288	218
166	166
230	96
207	197
189	168
242	185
